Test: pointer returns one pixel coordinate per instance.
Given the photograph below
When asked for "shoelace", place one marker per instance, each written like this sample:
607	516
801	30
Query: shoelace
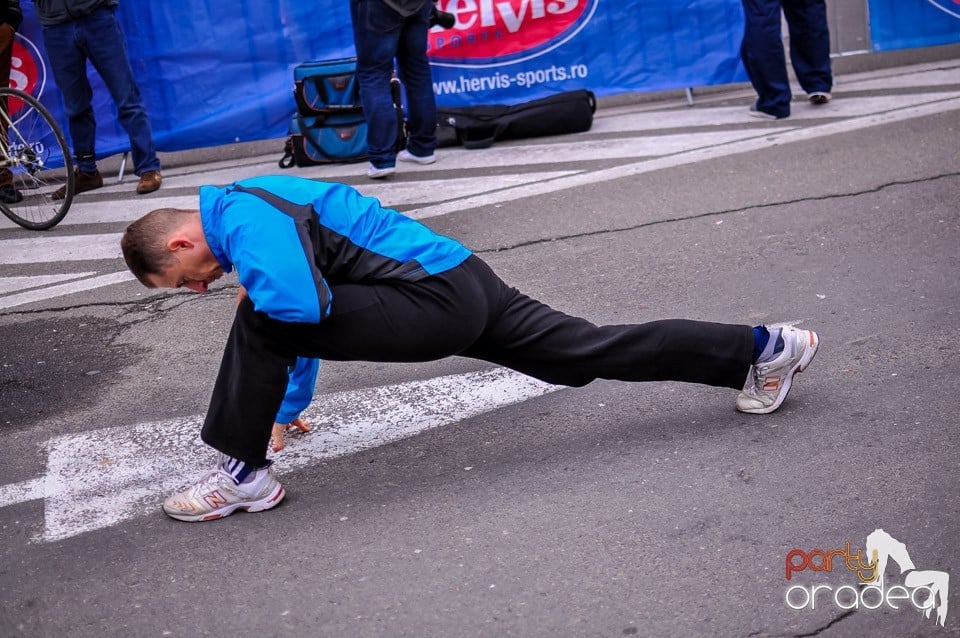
757	384
210	478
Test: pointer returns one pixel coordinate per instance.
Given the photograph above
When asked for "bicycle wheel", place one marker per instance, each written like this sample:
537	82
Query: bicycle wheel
36	154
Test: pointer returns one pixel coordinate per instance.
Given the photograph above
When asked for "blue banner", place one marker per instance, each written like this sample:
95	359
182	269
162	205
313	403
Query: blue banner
214	72
904	24
507	52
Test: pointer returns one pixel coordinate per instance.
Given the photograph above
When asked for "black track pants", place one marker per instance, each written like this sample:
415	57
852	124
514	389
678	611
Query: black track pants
466	311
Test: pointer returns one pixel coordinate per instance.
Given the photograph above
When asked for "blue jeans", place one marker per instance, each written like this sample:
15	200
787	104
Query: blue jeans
763	55
97	37
380	34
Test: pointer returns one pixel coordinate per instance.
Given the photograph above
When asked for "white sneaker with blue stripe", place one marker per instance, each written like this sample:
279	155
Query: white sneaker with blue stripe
217	494
768	383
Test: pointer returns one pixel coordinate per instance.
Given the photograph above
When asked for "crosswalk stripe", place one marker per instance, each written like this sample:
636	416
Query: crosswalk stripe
393	194
89	485
13	284
58	248
445	196
758	142
731	115
933	77
30	296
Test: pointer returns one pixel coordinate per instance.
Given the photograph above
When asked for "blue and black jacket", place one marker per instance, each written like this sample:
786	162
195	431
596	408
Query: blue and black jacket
291	239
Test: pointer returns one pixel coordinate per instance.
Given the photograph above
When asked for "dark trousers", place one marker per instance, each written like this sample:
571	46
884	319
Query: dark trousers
763	55
380	34
97	37
466	311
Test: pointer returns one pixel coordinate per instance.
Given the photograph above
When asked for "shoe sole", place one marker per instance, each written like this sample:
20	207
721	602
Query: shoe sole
256	506
808	355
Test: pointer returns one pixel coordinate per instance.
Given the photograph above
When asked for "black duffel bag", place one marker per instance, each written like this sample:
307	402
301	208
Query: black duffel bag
480	126
333	139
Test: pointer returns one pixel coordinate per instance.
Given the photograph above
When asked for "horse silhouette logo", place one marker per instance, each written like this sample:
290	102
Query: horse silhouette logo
885	547
925	590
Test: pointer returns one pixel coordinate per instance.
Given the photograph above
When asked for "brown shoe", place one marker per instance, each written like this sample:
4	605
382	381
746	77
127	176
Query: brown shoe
82	183
149	182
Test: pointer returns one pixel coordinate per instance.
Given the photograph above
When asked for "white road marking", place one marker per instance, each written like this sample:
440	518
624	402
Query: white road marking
100	478
11	301
727	115
58	248
13	284
666	151
456	158
933	77
393	194
688	157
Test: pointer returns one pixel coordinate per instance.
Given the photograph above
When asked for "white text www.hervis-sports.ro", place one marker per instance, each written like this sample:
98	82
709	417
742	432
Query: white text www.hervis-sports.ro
499	80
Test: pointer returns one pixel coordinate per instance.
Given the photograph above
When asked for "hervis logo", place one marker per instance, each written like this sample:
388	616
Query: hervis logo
947	6
496	32
27	72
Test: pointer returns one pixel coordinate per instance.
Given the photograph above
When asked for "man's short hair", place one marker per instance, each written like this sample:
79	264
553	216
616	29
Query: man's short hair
144	242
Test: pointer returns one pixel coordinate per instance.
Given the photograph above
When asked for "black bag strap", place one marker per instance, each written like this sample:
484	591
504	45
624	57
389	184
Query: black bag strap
287	160
320	83
481	142
303	128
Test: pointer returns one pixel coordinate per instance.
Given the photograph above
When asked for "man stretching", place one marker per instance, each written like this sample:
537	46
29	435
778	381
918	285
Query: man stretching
331	274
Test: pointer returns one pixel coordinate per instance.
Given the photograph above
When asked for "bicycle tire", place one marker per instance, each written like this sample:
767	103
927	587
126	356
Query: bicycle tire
30	133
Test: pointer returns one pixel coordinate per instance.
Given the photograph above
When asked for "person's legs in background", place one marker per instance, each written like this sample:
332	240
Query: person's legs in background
414	71
100	35
764	58
376	31
69	65
810	47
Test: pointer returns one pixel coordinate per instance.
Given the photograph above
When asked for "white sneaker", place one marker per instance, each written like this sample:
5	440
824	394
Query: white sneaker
378	173
819	97
216	495
768	383
407	156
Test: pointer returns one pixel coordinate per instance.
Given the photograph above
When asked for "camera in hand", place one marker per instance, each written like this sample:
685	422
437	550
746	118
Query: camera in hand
444	19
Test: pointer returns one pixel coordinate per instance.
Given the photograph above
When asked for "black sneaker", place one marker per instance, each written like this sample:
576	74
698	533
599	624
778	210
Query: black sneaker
10	195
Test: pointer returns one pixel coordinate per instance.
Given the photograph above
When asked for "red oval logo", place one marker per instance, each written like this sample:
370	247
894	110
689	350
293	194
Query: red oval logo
502	28
26	71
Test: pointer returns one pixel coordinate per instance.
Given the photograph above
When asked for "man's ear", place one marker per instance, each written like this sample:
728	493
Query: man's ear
179	241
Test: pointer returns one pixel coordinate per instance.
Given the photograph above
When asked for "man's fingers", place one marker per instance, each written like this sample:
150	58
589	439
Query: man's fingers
276	437
299	424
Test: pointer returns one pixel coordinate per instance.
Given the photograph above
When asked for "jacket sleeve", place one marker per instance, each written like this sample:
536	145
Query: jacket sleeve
274	262
303	380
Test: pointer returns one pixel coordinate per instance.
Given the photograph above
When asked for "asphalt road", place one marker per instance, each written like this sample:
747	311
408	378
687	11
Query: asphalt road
524	510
